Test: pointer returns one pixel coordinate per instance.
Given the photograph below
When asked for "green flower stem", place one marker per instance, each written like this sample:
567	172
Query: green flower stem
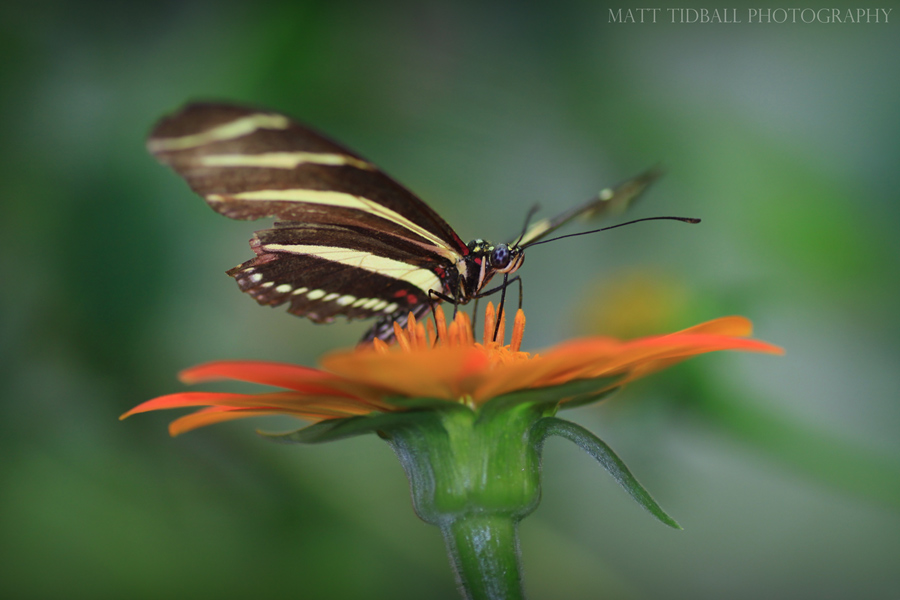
484	552
475	475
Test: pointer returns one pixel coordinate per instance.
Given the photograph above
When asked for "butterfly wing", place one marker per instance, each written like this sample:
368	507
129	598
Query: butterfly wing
351	240
610	201
323	271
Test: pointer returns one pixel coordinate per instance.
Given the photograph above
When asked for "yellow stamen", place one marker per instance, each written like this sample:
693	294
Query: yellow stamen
441	321
430	337
490	325
489	317
421	338
465	329
402	340
418	336
518	331
452	339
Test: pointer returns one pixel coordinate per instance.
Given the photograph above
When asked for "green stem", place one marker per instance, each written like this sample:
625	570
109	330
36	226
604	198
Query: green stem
484	551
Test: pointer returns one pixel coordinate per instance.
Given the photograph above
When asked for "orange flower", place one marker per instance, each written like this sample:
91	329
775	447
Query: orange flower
448	366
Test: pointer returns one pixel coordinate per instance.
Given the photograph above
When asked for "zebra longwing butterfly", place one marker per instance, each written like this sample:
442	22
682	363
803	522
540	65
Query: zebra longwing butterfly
348	240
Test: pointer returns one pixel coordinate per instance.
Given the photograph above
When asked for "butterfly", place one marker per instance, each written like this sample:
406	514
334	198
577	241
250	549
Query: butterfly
349	240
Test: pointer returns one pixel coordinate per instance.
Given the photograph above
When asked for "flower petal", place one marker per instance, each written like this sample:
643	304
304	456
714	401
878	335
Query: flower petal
432	373
734	325
210	416
182	400
287	402
293	377
594	357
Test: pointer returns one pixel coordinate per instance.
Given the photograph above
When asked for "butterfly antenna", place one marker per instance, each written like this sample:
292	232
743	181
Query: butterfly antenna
682	219
531	212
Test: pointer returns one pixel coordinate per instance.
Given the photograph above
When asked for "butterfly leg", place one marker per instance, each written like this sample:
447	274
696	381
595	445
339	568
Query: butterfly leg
499	287
500	309
383	328
503	301
502	289
435	297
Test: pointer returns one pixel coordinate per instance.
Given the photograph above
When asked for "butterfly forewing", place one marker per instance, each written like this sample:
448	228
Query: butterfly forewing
611	201
351	241
251	164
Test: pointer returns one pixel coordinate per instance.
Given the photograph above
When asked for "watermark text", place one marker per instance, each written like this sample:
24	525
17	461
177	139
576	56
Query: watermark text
749	15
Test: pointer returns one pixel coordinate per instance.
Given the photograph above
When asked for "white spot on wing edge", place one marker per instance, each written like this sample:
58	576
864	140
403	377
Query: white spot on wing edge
316	294
298	291
256	277
346	299
284	288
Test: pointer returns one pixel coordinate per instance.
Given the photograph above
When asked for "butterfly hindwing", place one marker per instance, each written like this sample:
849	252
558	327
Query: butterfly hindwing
276	279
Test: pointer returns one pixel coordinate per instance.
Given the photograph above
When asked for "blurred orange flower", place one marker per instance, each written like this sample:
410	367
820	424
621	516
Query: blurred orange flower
446	365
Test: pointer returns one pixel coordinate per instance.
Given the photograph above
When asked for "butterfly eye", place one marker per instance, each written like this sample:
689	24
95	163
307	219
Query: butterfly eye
500	257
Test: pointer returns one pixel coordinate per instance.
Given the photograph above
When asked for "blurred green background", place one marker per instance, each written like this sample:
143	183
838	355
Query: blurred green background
785	472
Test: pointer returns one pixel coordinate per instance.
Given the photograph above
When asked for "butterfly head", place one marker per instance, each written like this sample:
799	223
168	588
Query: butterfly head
492	259
504	258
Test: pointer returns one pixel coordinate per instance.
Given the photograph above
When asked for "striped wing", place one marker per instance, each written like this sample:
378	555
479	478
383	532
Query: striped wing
322	271
610	201
351	241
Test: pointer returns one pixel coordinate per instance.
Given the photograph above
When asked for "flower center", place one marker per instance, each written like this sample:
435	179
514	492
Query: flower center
416	336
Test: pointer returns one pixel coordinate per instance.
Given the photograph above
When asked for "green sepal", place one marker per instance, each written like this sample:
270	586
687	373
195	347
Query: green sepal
590	398
598	449
338	429
576	393
434	404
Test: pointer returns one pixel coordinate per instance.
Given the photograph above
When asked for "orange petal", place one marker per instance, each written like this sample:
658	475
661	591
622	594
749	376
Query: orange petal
289	402
201	418
672	349
294	377
734	325
553	366
184	400
434	373
219	414
596	357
